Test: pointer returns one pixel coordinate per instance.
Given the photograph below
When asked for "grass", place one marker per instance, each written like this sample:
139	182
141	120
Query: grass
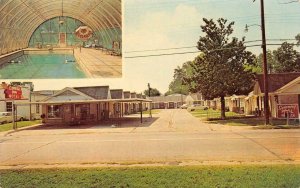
235	119
212	114
171	176
276	123
20	124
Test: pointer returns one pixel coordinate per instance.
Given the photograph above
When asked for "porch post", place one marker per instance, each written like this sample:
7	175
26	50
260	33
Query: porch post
141	112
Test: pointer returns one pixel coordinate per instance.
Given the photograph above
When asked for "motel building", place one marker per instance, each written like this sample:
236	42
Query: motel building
284	92
84	105
168	102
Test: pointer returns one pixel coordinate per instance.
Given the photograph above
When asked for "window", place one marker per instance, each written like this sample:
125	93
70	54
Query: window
9	106
82	111
54	111
37	108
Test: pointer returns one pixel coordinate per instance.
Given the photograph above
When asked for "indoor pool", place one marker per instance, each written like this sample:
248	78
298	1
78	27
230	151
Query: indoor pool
33	66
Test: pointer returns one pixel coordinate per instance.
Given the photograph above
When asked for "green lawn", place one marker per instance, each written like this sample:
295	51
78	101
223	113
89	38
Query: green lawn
210	113
9	126
192	176
255	122
235	119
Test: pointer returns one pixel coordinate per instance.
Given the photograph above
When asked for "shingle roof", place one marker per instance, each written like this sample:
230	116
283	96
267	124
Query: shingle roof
133	95
196	96
126	94
168	98
116	93
276	81
45	92
97	92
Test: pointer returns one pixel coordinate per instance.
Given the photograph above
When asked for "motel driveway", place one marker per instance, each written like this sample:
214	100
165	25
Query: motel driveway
174	137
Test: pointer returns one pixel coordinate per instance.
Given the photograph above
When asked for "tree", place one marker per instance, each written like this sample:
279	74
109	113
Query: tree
224	66
298	39
287	59
271	63
178	85
153	92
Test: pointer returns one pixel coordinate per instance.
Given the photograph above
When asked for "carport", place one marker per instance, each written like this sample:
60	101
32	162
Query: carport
82	111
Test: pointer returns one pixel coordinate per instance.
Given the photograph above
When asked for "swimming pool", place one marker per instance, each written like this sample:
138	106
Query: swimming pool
35	66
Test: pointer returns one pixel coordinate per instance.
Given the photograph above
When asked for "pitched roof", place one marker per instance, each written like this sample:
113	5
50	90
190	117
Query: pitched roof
168	98
126	94
45	92
276	81
67	94
196	96
139	96
97	92
133	95
116	93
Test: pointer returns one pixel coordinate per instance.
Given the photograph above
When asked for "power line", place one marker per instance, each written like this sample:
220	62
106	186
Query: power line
190	52
161	49
188	47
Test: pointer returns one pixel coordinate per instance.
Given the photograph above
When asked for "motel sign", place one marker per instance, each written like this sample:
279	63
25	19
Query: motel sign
290	110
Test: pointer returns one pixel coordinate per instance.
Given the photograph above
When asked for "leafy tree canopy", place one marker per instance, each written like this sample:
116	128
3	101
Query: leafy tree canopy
223	67
178	85
153	92
287	59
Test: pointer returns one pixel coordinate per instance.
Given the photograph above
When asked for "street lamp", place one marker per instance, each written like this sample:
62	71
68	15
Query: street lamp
149	90
247	27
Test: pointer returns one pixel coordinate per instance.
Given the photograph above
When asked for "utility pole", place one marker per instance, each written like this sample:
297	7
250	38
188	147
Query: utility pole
265	64
149	90
13	115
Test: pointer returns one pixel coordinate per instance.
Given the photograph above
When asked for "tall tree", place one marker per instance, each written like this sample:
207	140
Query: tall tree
271	62
287	59
177	85
153	92
298	39
221	68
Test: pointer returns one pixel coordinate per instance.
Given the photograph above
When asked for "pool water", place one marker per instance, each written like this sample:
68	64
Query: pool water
34	66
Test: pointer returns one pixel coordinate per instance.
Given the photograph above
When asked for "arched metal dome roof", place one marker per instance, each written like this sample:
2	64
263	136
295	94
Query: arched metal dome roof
20	18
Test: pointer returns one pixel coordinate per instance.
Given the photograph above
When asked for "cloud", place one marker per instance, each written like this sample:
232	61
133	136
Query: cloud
161	29
157	30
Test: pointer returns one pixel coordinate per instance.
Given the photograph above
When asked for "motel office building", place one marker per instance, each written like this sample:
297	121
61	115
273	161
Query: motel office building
80	105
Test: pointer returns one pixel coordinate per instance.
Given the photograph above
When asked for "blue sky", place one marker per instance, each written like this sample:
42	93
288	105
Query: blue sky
161	24
157	24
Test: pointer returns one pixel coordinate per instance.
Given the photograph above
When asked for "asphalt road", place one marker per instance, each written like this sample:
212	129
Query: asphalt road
173	136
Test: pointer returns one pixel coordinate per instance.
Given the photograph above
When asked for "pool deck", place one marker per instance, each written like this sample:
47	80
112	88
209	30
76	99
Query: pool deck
94	63
98	64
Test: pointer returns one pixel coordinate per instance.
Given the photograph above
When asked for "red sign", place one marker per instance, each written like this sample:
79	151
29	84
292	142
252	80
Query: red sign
13	92
290	110
84	33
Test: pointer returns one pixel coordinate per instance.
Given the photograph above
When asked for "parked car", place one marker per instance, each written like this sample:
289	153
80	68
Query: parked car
191	108
184	106
6	117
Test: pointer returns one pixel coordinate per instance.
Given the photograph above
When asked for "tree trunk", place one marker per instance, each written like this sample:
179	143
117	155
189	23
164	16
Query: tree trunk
223	107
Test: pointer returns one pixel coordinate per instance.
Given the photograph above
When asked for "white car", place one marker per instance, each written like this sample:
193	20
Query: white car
184	106
6	117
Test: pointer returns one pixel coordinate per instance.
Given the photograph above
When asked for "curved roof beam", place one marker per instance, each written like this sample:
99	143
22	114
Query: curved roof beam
20	18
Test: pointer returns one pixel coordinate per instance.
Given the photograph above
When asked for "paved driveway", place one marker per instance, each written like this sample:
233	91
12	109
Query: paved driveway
174	136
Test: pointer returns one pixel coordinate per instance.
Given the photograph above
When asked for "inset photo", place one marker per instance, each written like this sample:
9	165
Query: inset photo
49	39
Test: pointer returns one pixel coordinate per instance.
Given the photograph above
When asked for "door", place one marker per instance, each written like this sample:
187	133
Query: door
62	39
299	102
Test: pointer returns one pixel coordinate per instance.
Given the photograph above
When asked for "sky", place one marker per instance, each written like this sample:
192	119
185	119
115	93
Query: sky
155	26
